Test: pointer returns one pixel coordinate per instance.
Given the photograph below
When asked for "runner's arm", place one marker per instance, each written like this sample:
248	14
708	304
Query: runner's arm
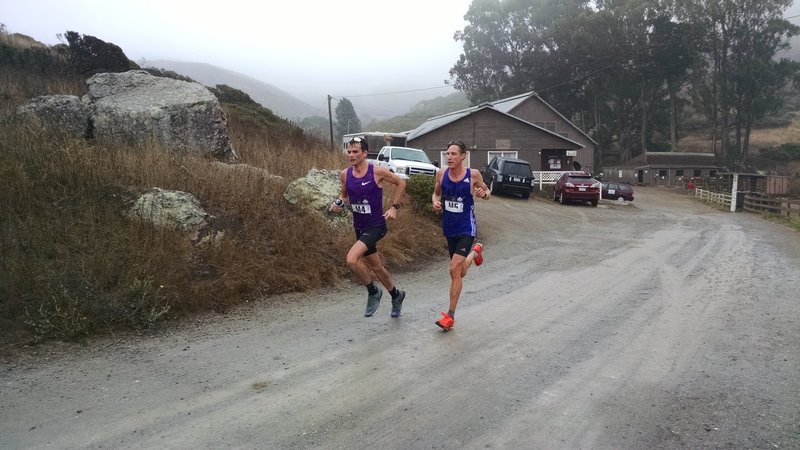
436	197
478	186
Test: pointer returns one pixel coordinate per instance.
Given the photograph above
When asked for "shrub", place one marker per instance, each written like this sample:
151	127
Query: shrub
90	55
420	189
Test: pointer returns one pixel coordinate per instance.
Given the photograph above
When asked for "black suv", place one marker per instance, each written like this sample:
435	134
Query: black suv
509	175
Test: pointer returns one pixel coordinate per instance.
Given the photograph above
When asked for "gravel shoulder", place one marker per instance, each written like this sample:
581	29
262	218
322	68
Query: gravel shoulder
661	323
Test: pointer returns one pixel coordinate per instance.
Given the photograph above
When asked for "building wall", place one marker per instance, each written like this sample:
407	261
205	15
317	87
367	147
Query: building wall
534	111
656	176
489	130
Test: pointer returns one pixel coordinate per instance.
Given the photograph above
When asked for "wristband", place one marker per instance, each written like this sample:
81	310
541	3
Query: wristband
396	205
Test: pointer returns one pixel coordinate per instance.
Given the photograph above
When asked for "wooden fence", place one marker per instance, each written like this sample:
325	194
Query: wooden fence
713	197
759	203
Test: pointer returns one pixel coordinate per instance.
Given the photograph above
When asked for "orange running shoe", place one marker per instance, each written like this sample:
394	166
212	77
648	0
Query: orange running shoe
478	248
446	322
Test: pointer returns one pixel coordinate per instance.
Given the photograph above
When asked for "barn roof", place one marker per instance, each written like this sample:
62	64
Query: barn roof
439	121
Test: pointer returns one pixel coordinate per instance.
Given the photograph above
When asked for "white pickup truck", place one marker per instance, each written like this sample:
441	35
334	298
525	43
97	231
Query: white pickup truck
405	161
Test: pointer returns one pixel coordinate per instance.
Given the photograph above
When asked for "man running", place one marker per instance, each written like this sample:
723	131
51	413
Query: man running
362	186
453	194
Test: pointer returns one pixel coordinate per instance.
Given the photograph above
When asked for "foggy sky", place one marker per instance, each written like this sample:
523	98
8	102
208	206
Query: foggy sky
308	48
311	48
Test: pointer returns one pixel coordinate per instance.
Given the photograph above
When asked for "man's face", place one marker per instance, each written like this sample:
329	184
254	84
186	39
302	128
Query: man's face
354	153
454	156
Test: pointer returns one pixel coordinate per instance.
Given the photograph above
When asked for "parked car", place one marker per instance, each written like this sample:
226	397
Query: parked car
577	186
617	190
509	175
405	161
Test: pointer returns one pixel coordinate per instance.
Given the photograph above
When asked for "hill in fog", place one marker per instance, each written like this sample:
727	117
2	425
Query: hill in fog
280	102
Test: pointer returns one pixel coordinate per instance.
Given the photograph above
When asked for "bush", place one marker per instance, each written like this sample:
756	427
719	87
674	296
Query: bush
90	55
420	189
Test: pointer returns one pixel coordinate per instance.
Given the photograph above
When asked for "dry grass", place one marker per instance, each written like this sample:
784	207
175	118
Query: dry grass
72	265
759	138
773	137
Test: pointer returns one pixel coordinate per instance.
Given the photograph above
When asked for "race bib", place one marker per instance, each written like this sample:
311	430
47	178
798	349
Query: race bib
361	208
454	206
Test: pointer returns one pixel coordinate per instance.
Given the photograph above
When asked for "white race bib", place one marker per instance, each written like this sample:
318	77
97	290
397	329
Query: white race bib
361	208
454	206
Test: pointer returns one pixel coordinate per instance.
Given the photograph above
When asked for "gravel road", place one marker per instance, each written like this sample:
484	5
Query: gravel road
658	324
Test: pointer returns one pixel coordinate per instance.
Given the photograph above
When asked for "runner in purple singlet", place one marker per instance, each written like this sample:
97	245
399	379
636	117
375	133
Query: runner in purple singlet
362	186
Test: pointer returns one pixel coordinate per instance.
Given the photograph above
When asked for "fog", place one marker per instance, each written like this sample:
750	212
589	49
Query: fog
311	49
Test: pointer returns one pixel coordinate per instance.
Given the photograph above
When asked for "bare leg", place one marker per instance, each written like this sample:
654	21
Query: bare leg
356	262
458	270
374	263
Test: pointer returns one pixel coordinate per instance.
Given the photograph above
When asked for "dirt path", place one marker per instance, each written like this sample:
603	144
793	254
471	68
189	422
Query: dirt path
663	324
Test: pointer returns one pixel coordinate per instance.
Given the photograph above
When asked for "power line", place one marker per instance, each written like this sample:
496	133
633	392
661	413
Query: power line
397	92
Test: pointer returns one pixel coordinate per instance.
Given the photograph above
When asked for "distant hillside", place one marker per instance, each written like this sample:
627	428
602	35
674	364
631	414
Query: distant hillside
421	112
280	102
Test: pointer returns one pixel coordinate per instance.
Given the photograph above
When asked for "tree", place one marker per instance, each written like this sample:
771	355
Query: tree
346	119
738	81
90	55
621	66
508	46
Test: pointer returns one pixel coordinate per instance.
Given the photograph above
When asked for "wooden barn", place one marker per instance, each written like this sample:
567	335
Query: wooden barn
663	168
523	126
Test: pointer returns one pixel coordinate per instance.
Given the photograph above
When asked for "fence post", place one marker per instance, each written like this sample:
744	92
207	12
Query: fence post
733	191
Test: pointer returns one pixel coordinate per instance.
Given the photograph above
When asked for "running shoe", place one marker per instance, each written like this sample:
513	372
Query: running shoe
446	322
397	303
373	300
478	248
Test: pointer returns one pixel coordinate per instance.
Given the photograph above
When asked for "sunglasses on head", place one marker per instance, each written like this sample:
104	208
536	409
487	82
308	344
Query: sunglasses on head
356	139
458	143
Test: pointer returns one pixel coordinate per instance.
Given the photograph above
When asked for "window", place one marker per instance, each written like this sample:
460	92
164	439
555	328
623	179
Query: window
492	154
662	173
712	173
554	163
679	172
698	173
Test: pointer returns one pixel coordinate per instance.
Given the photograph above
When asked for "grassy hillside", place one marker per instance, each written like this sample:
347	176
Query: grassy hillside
73	265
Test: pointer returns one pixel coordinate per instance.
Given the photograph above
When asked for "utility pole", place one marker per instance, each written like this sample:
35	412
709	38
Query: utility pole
330	121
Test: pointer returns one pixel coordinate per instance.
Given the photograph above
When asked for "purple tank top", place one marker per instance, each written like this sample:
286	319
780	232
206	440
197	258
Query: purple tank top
366	199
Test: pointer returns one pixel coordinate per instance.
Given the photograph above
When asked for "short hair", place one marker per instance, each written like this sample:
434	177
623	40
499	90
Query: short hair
459	144
360	140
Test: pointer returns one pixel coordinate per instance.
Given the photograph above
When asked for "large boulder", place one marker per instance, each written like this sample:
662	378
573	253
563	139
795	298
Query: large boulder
315	192
63	113
137	107
170	209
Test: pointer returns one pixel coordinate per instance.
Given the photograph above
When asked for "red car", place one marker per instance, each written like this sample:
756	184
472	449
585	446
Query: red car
577	186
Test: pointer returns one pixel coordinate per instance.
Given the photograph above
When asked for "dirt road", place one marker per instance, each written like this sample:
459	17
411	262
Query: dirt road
662	324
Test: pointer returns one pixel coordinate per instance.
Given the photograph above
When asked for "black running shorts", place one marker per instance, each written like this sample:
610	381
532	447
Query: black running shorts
460	245
370	238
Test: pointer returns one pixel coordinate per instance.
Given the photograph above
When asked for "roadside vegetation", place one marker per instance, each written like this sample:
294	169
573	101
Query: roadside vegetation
72	265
